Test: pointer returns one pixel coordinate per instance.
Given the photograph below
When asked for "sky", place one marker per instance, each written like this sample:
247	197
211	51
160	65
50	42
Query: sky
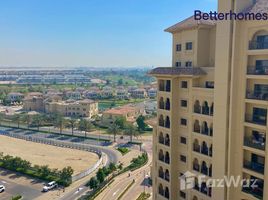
99	33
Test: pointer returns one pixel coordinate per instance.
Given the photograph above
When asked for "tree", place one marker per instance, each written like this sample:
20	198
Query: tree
84	125
71	123
112	167
100	175
121	122
1	118
130	131
120	81
140	122
66	175
59	122
113	129
26	119
16	118
37	120
93	183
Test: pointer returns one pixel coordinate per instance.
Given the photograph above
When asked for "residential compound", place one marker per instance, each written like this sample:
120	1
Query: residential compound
212	107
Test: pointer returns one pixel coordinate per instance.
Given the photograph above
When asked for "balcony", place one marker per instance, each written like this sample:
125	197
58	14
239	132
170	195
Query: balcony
258	45
256	192
257	95
253	143
258	70
256	119
254	166
204	150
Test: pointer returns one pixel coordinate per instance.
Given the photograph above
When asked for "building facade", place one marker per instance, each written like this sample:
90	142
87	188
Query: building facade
213	131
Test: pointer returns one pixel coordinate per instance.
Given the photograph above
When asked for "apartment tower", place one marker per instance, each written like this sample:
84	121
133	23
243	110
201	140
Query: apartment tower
212	107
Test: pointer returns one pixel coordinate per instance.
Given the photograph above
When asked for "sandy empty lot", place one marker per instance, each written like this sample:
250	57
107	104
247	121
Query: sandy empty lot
41	154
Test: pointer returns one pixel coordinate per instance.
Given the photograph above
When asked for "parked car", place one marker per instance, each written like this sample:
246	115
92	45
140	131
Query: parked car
2	188
50	186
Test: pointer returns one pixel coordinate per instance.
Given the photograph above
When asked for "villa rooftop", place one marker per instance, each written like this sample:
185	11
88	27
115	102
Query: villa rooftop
178	71
260	6
189	23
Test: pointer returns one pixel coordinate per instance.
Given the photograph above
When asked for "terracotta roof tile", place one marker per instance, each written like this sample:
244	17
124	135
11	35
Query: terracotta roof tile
189	23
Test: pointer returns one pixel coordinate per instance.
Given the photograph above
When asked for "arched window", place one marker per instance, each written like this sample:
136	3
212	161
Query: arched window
212	109
196	165
167	140
204	149
161	172
196	126
211	129
210	170
168	104
161	138
167	159
161	121
195	198
196	146
204	188
161	189
197	107
168	85
167	175
205	108
167	192
161	103
161	155
167	122
259	40
204	168
210	150
205	128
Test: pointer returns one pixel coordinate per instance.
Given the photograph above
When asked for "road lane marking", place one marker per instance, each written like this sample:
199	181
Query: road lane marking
115	192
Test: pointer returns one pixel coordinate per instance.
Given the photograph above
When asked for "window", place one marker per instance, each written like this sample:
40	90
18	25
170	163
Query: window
178	47
183	121
178	64
183	140
188	64
183	194
184	84
209	84
189	45
183	103
183	158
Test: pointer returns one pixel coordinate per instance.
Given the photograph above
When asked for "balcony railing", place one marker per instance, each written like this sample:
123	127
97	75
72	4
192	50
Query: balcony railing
249	142
208	132
257	95
204	151
254	166
254	45
263	70
260	120
256	192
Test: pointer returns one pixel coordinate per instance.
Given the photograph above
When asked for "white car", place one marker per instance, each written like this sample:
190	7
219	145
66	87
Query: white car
2	188
50	186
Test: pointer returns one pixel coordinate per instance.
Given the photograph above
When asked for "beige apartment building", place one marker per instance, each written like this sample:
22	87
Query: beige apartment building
71	108
212	107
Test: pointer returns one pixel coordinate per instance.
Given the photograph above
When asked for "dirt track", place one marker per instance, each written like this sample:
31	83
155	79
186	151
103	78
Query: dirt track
41	154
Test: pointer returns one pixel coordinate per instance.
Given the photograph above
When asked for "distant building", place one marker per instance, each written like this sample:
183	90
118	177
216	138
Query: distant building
138	93
75	95
107	92
130	112
152	92
33	103
15	97
71	108
91	94
121	94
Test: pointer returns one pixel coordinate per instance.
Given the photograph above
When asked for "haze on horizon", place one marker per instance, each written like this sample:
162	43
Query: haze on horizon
91	32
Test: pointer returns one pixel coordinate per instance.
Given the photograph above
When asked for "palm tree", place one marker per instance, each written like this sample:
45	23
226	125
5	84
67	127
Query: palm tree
72	124
131	131
84	125
17	118
37	120
26	118
113	129
59	122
